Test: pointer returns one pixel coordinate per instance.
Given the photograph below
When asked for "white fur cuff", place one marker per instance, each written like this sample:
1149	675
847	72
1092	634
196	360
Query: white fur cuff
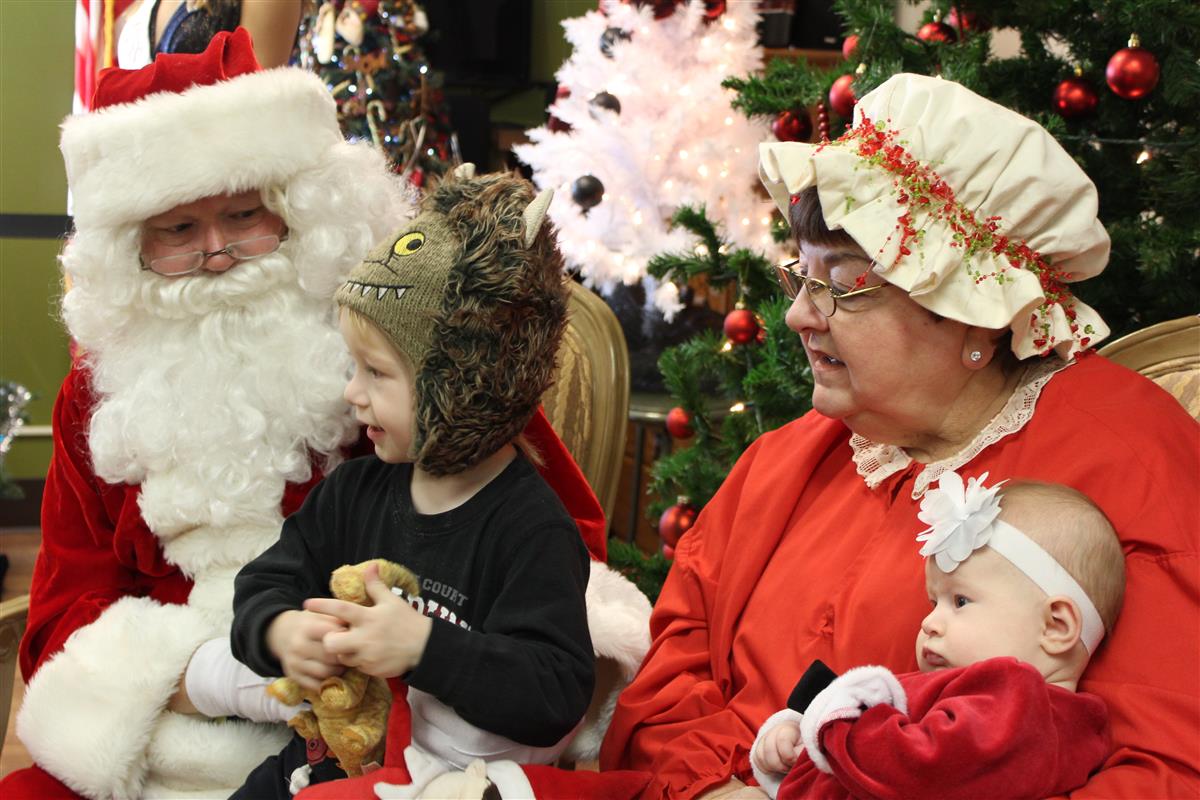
769	781
846	698
89	711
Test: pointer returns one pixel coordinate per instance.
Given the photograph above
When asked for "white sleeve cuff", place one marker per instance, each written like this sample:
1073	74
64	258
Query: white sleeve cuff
769	781
844	698
89	711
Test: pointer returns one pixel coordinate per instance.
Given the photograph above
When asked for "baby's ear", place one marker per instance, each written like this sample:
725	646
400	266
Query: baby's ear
1062	625
535	215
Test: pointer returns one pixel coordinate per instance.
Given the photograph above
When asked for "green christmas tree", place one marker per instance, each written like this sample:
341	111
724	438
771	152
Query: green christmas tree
1129	115
369	54
731	386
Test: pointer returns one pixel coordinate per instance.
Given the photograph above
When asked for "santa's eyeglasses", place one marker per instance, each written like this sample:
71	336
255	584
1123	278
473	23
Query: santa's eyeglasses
187	263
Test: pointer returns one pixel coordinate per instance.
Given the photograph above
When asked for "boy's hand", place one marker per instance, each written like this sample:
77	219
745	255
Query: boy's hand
780	747
295	637
384	640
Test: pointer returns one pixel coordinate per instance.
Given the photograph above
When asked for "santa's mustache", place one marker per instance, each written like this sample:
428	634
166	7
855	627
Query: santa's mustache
204	292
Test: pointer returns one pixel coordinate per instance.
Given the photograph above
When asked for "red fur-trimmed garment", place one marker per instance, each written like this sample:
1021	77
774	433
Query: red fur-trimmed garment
993	729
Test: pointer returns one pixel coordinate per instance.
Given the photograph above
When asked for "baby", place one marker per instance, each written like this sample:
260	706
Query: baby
1023	584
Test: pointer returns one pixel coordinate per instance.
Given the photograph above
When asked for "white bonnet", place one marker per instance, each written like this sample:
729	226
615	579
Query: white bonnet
974	210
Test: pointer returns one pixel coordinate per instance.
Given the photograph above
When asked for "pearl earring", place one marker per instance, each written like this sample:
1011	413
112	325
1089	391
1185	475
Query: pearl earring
976	356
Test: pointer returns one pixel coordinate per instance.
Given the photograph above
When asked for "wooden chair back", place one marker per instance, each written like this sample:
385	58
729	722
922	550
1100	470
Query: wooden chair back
12	625
588	405
1167	353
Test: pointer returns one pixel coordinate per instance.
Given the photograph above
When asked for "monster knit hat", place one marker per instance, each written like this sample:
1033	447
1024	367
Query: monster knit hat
472	293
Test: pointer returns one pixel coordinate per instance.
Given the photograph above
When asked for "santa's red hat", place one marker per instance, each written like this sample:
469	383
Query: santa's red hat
190	126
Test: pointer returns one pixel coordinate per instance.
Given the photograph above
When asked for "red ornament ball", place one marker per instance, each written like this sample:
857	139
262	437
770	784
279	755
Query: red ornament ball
937	32
740	326
967	21
675	522
761	336
793	126
679	423
662	8
1132	72
417	177
841	96
1075	97
849	45
668	552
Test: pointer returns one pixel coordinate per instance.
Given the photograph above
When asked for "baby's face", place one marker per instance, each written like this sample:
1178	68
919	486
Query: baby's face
985	608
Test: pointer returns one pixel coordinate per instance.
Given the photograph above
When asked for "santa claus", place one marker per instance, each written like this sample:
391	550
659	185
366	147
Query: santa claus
216	208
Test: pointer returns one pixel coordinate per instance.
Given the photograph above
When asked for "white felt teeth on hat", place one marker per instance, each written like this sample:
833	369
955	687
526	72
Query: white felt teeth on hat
381	292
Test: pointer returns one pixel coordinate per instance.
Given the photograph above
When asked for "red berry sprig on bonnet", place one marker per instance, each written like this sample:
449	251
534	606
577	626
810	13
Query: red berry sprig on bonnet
920	190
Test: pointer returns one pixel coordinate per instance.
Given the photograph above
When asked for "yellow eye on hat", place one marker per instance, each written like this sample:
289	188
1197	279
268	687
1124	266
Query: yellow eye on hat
409	243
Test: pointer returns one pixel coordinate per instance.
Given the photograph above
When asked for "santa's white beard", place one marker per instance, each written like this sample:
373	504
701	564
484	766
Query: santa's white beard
213	391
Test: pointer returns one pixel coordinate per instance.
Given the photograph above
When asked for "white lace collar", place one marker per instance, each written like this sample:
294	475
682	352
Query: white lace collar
875	462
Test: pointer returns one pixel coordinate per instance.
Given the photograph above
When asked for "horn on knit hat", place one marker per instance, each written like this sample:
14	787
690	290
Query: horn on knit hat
190	126
974	210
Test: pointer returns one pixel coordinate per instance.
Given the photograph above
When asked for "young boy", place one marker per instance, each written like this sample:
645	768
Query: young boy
453	325
1023	587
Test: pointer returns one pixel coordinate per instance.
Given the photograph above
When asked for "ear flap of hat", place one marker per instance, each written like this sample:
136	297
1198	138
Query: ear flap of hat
535	215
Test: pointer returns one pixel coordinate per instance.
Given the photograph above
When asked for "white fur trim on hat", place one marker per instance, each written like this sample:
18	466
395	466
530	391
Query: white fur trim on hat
998	164
126	163
619	622
93	715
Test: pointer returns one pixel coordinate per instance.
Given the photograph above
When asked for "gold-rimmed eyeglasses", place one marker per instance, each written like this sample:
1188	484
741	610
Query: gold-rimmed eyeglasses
187	263
823	296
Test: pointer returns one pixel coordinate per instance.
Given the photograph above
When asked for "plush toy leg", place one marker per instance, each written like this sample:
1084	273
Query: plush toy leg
394	769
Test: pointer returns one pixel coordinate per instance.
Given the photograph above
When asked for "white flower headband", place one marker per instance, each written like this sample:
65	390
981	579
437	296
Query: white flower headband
964	518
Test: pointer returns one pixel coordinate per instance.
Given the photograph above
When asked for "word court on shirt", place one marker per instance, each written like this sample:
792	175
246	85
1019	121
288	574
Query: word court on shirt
432	608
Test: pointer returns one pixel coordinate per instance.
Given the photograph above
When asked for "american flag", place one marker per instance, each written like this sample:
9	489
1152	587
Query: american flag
95	48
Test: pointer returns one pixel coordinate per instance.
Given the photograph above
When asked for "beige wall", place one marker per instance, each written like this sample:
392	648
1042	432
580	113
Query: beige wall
36	82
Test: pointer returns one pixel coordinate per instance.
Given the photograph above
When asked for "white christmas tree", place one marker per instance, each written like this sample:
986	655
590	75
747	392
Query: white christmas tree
650	129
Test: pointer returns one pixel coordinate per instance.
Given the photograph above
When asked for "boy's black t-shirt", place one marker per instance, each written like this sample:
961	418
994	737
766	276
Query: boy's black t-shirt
503	577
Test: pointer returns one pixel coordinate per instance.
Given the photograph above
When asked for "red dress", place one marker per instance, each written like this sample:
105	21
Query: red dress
993	729
796	559
113	620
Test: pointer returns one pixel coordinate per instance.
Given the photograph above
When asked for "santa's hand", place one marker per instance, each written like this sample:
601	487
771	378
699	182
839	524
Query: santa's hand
219	685
846	698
